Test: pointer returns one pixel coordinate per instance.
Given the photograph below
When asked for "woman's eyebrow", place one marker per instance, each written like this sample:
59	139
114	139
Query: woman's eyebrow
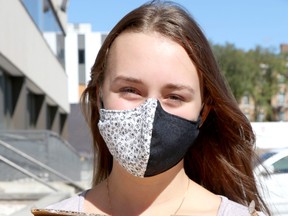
127	79
173	86
170	86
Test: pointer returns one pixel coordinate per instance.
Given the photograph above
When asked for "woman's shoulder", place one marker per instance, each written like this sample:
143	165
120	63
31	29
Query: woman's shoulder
229	207
74	203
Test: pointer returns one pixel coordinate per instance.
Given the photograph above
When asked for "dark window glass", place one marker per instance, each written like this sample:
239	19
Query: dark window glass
62	121
12	88
8	100
281	166
34	105
81	56
50	117
44	17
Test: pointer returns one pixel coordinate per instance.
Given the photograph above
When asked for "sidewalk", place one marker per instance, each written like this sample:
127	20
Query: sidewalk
17	196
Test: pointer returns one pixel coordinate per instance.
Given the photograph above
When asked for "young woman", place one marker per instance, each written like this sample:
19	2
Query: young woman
169	137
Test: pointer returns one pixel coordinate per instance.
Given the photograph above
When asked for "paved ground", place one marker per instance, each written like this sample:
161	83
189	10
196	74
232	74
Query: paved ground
15	196
9	207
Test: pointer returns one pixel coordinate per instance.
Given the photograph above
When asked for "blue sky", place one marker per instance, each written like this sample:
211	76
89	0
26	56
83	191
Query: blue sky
244	23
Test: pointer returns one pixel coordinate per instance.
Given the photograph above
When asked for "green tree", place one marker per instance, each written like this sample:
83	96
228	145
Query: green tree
235	67
254	73
265	70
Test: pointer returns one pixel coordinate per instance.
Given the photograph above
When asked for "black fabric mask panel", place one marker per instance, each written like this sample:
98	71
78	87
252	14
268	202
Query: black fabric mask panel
172	136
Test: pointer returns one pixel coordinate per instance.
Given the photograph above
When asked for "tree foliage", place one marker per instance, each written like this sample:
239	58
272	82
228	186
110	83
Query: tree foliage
254	73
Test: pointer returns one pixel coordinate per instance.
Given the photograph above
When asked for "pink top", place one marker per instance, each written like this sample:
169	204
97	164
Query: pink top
227	207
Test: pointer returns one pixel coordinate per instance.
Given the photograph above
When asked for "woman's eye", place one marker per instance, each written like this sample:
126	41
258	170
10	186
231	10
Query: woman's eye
174	100
175	97
129	90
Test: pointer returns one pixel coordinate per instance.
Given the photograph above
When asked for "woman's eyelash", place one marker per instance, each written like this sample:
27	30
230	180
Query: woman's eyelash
175	97
131	92
128	90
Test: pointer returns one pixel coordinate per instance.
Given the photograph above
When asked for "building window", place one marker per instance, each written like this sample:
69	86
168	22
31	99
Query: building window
81	56
260	117
8	100
60	46
281	99
81	49
12	88
81	67
62	122
81	59
47	21
34	105
50	116
281	78
43	15
245	100
281	116
247	114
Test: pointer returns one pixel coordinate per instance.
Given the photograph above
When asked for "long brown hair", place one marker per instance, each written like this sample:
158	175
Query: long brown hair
221	160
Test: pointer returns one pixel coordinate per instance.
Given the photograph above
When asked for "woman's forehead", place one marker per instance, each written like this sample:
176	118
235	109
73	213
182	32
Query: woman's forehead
145	56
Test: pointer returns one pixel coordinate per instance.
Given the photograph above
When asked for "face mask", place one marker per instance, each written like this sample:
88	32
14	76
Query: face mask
147	140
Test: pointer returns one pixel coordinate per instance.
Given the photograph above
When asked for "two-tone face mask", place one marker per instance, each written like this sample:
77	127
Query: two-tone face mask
147	140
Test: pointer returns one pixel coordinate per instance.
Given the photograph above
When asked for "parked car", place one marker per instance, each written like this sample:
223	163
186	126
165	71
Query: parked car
273	180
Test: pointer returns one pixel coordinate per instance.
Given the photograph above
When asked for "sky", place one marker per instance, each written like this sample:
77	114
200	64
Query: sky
244	23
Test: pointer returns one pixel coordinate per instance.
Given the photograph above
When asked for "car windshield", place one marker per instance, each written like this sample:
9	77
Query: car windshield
266	155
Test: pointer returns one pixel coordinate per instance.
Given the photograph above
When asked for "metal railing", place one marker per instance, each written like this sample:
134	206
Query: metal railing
40	155
38	163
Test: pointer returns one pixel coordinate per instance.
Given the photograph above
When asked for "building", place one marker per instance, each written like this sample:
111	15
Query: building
33	82
82	46
34	106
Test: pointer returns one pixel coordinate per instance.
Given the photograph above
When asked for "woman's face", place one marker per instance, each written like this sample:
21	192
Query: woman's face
148	65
